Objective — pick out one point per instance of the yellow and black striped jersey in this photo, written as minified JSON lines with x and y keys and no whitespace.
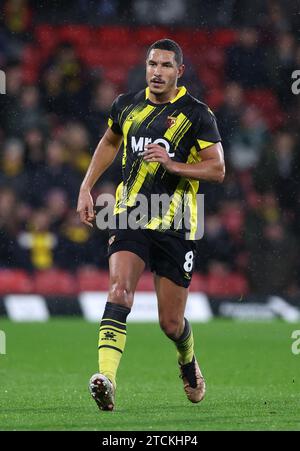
{"x":184,"y":126}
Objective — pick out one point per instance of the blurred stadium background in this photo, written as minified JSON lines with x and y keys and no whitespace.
{"x":64,"y":65}
{"x":65,"y":62}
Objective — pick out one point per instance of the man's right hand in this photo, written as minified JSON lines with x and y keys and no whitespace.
{"x":85,"y":207}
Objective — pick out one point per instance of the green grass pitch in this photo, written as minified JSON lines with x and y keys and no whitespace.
{"x":253,"y":378}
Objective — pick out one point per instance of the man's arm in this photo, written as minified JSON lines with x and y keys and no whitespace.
{"x":103,"y":157}
{"x":211,"y":168}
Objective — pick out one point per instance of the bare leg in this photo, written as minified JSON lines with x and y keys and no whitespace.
{"x":125,"y":269}
{"x":171,"y":306}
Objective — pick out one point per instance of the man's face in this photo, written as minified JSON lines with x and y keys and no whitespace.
{"x":162,"y":71}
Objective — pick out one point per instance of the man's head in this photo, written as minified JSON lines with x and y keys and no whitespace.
{"x":163,"y":66}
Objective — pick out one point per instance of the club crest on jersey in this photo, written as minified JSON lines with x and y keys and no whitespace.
{"x":111,"y":240}
{"x":171,"y":121}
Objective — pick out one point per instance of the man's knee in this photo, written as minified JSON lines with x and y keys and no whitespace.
{"x":121,"y":293}
{"x":171,"y":327}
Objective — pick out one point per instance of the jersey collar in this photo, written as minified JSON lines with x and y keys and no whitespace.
{"x":181,"y":92}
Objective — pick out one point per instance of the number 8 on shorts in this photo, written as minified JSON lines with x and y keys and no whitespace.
{"x":188,"y":265}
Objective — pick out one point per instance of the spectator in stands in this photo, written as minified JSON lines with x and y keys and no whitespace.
{"x":9,"y":226}
{"x":270,"y":271}
{"x":52,"y":91}
{"x":8,"y":206}
{"x":233,"y":189}
{"x":215,"y":245}
{"x":30,"y":111}
{"x":17,"y":16}
{"x":34,"y":140}
{"x":102,"y":98}
{"x":261,"y":210}
{"x":280,"y":65}
{"x":77,"y":146}
{"x":229,"y":113}
{"x":36,"y":245}
{"x":233,"y":220}
{"x":54,"y":173}
{"x":57,"y":205}
{"x":276,"y":20}
{"x":22,"y":110}
{"x":248,"y":140}
{"x":246,"y":61}
{"x":12,"y":172}
{"x":279,"y":170}
{"x":66,"y":68}
{"x":79,"y":245}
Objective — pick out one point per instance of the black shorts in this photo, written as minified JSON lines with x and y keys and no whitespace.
{"x":168,"y":256}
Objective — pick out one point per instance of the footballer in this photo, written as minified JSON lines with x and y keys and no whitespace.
{"x":171,"y":143}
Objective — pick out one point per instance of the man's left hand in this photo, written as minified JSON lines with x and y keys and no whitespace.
{"x":158,"y":154}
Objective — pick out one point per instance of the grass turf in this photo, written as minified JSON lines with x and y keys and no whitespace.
{"x":253,"y":379}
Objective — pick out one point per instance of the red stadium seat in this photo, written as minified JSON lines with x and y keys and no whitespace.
{"x":31,"y":61}
{"x":183,"y":37}
{"x":232,"y":285}
{"x":146,"y":282}
{"x":92,"y":279}
{"x":116,"y":75}
{"x":31,"y":55}
{"x":55,"y":282}
{"x":132,"y":56}
{"x":215,"y":59}
{"x":46,"y":37}
{"x":233,"y":219}
{"x":199,"y":283}
{"x":224,"y":38}
{"x":29,"y":74}
{"x":76,"y":34}
{"x":145,"y":36}
{"x":210,"y":77}
{"x":112,"y":57}
{"x":215,"y":98}
{"x":200,"y":39}
{"x":92,"y":56}
{"x":15,"y":281}
{"x":267,"y":102}
{"x":114,"y":35}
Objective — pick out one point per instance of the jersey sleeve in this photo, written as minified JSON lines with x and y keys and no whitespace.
{"x":113,"y":120}
{"x":207,"y":132}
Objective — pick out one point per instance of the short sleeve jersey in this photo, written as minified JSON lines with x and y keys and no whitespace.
{"x":184,"y":127}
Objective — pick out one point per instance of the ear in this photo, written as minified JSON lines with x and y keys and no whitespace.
{"x":181,"y":69}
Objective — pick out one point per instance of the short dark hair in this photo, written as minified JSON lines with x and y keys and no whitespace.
{"x":168,"y":44}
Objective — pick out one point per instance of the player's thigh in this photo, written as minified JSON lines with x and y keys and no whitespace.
{"x":128,"y":254}
{"x":125,"y":269}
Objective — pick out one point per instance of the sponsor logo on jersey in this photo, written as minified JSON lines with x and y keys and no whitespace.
{"x":138,"y":145}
